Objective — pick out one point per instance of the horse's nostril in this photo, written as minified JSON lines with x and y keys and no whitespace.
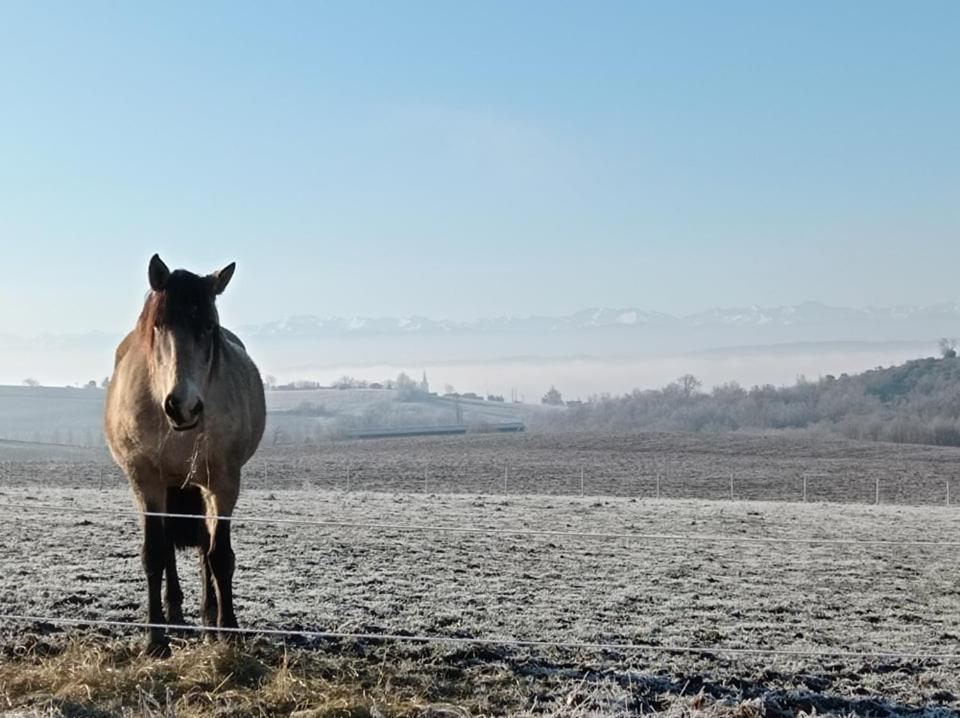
{"x":198,"y":409}
{"x":171,"y":407}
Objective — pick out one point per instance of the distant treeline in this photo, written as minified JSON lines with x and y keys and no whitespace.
{"x":917,"y":402}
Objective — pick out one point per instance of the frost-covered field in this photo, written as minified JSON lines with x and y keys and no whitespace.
{"x":360,"y":577}
{"x":657,"y":592}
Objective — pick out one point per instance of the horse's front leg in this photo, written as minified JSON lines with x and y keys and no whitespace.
{"x":154,"y":556}
{"x":220,"y":556}
{"x":222,"y":562}
{"x":208,"y":592}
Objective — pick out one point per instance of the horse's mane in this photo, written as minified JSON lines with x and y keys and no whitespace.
{"x":186,"y":303}
{"x":148,"y":317}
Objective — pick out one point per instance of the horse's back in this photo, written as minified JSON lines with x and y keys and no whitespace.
{"x":244,"y":391}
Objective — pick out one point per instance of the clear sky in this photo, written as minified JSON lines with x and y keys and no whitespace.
{"x":462,"y":159}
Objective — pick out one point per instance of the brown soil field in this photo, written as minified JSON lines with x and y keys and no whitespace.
{"x":695,"y":466}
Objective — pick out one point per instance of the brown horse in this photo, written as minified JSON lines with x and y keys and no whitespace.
{"x":185,"y":411}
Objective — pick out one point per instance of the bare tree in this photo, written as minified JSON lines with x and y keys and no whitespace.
{"x":552,"y":397}
{"x":408,"y":389}
{"x":31,"y":382}
{"x":948,"y":348}
{"x":685,"y":387}
{"x":348,"y":382}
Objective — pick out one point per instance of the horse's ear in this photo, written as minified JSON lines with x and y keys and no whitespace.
{"x":159,"y":273}
{"x":222,"y":277}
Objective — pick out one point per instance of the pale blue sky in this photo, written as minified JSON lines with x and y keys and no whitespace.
{"x":472,"y":159}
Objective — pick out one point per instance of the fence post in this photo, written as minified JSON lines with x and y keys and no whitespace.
{"x":581,"y":481}
{"x":348,"y":479}
{"x":100,"y":485}
{"x":948,"y":492}
{"x":731,"y":487}
{"x":506,"y":471}
{"x":424,"y":479}
{"x":878,"y":491}
{"x":804,"y":488}
{"x":658,"y":484}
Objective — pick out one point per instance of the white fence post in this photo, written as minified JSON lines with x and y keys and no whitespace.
{"x":804,"y":488}
{"x":731,"y":487}
{"x":658,"y":484}
{"x":100,"y":486}
{"x":878,"y":491}
{"x":506,"y":472}
{"x":948,"y":492}
{"x":424,"y":479}
{"x":581,"y":481}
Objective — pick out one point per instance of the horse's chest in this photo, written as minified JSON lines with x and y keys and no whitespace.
{"x":180,"y":458}
{"x":176,"y":455}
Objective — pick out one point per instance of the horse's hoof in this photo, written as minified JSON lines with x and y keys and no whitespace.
{"x":157,"y":648}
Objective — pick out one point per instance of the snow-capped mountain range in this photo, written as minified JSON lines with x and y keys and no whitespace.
{"x":806,"y":316}
{"x":741,"y":343}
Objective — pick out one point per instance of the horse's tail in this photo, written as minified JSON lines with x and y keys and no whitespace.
{"x":185,"y":532}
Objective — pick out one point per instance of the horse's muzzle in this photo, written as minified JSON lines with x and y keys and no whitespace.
{"x":177,"y":427}
{"x":182,"y":418}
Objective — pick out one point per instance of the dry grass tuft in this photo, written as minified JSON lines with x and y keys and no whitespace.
{"x":97,"y":677}
{"x":92,"y":676}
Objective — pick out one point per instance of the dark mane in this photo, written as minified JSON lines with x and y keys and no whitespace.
{"x":186,"y":303}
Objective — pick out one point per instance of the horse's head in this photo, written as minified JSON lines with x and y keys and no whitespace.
{"x":181,"y":329}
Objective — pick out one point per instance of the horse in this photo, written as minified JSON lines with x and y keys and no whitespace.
{"x":185,"y":410}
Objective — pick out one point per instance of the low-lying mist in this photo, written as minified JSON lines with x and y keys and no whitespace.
{"x":473,"y":369}
{"x":527,"y":379}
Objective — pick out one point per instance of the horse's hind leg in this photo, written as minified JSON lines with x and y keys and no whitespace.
{"x":173,"y":599}
{"x":182,"y":530}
